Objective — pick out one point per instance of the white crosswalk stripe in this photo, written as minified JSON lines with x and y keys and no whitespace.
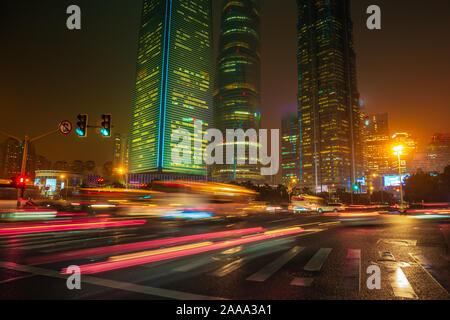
{"x":265,"y":273}
{"x":317,"y":261}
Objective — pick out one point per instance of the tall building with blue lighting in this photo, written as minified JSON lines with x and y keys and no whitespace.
{"x":173,"y":85}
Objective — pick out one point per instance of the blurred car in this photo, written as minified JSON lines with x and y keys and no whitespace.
{"x":330,"y":207}
{"x":399,"y":208}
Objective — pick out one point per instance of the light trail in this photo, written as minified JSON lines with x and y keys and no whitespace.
{"x":68,"y":226}
{"x":114,"y":264}
{"x":120,"y":248}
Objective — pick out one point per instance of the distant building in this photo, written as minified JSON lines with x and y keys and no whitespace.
{"x":61,"y":165}
{"x":11,"y":159}
{"x":51,"y":182}
{"x":376,"y":144}
{"x":173,"y":84}
{"x":120,"y":152}
{"x":435,"y":157}
{"x":237,"y":102}
{"x":439,"y":151}
{"x":410,"y":148}
{"x":328,"y":98}
{"x":42,"y":163}
{"x":290,"y":168}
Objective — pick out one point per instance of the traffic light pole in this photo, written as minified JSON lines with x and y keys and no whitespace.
{"x":26,"y":141}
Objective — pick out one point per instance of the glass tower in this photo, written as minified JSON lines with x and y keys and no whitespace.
{"x":289,"y":149}
{"x":328,"y":99}
{"x":173,"y":83}
{"x":237,"y":94}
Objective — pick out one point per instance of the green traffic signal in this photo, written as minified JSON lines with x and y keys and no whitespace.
{"x":82,"y":125}
{"x":106,"y":125}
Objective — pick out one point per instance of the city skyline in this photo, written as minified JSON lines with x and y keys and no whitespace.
{"x":243,"y":151}
{"x":96,"y":97}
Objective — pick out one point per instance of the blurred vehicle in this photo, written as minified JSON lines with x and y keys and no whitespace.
{"x":273,"y":208}
{"x":359,"y":218}
{"x":26,"y":215}
{"x":306,"y":203}
{"x":218,"y":199}
{"x":114,"y":201}
{"x":399,"y":208}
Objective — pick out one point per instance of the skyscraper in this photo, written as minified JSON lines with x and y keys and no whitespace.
{"x":237,"y":94}
{"x":11,"y":152}
{"x":289,"y":149}
{"x":377,"y":149}
{"x":328,"y":99}
{"x":173,"y":83}
{"x":120,"y":151}
{"x":410,"y":149}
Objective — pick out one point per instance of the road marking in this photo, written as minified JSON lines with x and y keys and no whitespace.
{"x":317,"y":261}
{"x":229,"y":267}
{"x":440,"y":277}
{"x":165,"y":293}
{"x":400,"y":284}
{"x":352,"y":270}
{"x":265,"y":273}
{"x":302,"y":282}
{"x":400,"y":242}
{"x":386,"y":256}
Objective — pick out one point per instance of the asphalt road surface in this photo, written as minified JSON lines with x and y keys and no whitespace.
{"x":264,"y":256}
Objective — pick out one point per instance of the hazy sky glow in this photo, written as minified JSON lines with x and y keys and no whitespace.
{"x":50,"y":73}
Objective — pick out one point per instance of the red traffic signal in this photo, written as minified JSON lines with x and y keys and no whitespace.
{"x":20,"y":181}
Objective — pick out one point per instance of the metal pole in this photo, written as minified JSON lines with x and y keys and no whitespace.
{"x":67,"y":188}
{"x":23,"y":168}
{"x":401,"y":185}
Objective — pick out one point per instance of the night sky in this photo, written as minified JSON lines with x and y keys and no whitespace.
{"x":49,"y":73}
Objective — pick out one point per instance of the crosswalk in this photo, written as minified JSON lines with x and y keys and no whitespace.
{"x":302,"y":265}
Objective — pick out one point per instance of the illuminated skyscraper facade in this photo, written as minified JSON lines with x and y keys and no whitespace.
{"x":290,"y":169}
{"x":377,"y":149}
{"x":237,"y":94}
{"x":328,"y":99}
{"x":409,"y":151}
{"x":173,"y":83}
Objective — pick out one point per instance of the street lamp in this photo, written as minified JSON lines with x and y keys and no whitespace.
{"x":398,"y":150}
{"x":66,"y":186}
{"x":122,"y":171}
{"x":291,"y":186}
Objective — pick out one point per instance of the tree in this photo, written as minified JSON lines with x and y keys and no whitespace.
{"x":89,"y":166}
{"x":77,"y":166}
{"x":422,"y":186}
{"x":107,"y":169}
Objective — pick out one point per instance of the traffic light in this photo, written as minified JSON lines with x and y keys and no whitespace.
{"x":355,"y":187}
{"x":106,"y":125}
{"x":20,"y":181}
{"x":82,"y":125}
{"x":100,"y":181}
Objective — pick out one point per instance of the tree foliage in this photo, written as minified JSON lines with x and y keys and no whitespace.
{"x":423,"y":186}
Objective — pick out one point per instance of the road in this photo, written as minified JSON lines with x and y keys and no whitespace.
{"x":263,"y":256}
